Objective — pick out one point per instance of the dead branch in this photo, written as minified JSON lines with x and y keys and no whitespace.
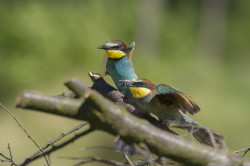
{"x":55,"y":147}
{"x":245,"y":151}
{"x":102,"y":114}
{"x":98,"y":147}
{"x":128,"y":160}
{"x":86,"y":160}
{"x":25,"y":131}
{"x":8,"y":159}
{"x":51,"y":143}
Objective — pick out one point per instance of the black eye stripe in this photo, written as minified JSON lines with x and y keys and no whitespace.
{"x":142,"y":84}
{"x":116,"y":47}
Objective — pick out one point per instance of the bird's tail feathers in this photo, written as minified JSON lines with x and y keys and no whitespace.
{"x":202,"y":134}
{"x":207,"y":137}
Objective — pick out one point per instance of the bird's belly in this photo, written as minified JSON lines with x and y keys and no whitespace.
{"x":166,"y":114}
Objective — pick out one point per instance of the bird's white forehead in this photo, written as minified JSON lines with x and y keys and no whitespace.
{"x":112,"y":44}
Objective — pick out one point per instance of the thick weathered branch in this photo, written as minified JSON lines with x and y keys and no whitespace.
{"x":77,"y":87}
{"x":105,"y":115}
{"x":49,"y":104}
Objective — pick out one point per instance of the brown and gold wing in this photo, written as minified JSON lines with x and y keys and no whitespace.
{"x":172,"y":97}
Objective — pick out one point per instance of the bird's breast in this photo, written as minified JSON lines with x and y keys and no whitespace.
{"x":121,"y":69}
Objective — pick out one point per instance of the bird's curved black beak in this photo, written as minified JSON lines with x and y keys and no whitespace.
{"x":104,"y":47}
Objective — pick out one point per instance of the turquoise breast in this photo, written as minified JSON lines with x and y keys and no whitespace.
{"x":121,"y":69}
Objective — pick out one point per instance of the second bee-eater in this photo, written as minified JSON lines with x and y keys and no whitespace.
{"x":119,"y":64}
{"x":171,"y":106}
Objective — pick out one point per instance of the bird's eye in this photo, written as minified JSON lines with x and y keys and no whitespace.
{"x":116,"y":47}
{"x":141,"y":84}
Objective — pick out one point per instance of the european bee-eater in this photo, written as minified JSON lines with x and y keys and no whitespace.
{"x":119,"y":64}
{"x":119,"y":67}
{"x":170,"y":105}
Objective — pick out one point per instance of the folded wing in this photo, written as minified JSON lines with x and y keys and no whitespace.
{"x":172,"y":97}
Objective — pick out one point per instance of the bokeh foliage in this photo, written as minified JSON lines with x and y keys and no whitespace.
{"x":44,"y":43}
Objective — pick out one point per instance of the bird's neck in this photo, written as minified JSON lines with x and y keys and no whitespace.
{"x":121,"y":69}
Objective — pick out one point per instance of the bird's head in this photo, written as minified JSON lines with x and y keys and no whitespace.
{"x":116,"y":49}
{"x":139,"y":88}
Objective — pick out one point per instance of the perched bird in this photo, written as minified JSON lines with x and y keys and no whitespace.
{"x":171,"y":106}
{"x":119,"y":64}
{"x":119,"y":67}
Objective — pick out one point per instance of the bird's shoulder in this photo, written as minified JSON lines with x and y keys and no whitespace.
{"x":162,"y":89}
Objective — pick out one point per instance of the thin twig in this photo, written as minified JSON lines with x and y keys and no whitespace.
{"x":146,"y":153}
{"x":11,"y":157}
{"x":128,"y":160}
{"x":245,"y":150}
{"x":8,"y":159}
{"x":59,"y":138}
{"x":95,"y":159}
{"x":56,"y":147}
{"x":98,"y":147}
{"x":141,"y":163}
{"x":163,"y":161}
{"x":25,"y":131}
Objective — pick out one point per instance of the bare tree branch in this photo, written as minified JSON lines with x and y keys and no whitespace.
{"x":102,"y":114}
{"x":56,"y":147}
{"x":128,"y":160}
{"x":86,"y":160}
{"x":5,"y":158}
{"x":98,"y":147}
{"x":25,"y":131}
{"x":78,"y":88}
{"x":8,"y":159}
{"x":51,"y":143}
{"x":11,"y":157}
{"x":245,"y":150}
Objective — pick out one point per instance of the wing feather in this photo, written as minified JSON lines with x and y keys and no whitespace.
{"x":172,"y":97}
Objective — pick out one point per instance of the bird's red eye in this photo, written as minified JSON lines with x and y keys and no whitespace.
{"x":117,"y":47}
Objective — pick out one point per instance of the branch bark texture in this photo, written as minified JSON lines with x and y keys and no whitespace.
{"x":103,"y":114}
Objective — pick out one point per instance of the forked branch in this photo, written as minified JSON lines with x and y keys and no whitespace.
{"x":103,"y":114}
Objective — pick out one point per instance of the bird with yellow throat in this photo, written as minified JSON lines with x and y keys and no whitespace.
{"x":119,"y":63}
{"x":171,"y":106}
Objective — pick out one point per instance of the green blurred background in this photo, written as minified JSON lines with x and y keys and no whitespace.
{"x":200,"y":47}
